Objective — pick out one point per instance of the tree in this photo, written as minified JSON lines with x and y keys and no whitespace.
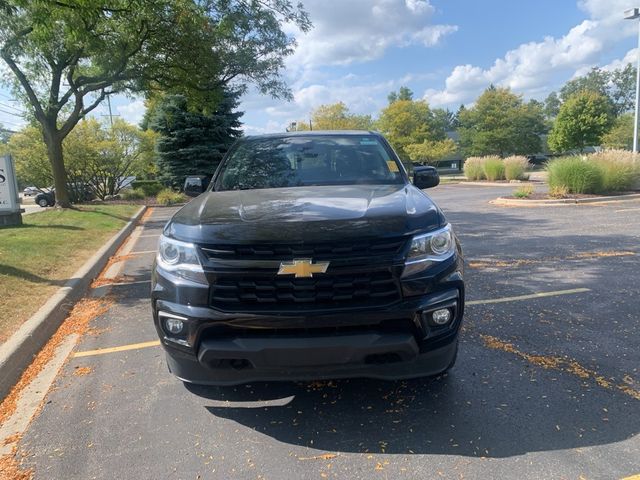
{"x":192,"y":142}
{"x":583,"y":120}
{"x":404,"y":93}
{"x":621,"y":135}
{"x":500,"y":123}
{"x":622,"y":88}
{"x":336,"y":117}
{"x":30,"y":155}
{"x":594,"y":81}
{"x":102,"y":158}
{"x":617,"y":86}
{"x":551,"y":106}
{"x":4,"y":135}
{"x":406,"y":122}
{"x":96,"y":157}
{"x":430,"y":152}
{"x":443,"y":121}
{"x":66,"y":56}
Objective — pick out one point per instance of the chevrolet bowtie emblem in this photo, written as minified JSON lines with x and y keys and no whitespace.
{"x":302,"y":268}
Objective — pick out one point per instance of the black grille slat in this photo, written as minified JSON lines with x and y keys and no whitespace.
{"x":337,"y":251}
{"x":255,"y":291}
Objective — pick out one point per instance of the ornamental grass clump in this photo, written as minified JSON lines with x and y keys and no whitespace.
{"x":474,"y":168}
{"x":525,"y":191}
{"x":576,"y":174}
{"x":620,"y":169}
{"x":515,"y":167}
{"x":493,"y":168}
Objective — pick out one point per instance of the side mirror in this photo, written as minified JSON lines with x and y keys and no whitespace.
{"x":194,"y":186}
{"x":425,"y":177}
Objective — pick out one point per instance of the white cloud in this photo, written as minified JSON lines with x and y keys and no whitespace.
{"x":133,"y":111}
{"x":362,"y":30}
{"x":531,"y":67}
{"x":363,"y":96}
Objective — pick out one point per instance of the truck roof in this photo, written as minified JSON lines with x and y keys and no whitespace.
{"x":313,"y":133}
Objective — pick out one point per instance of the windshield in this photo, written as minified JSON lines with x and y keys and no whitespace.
{"x":308,"y":160}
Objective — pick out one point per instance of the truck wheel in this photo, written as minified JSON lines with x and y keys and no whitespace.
{"x":43,"y":202}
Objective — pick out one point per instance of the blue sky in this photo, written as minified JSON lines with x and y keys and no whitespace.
{"x":446,"y":51}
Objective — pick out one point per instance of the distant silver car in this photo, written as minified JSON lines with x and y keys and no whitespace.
{"x":30,"y":191}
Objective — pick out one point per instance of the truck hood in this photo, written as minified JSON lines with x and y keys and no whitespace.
{"x":304,"y":214}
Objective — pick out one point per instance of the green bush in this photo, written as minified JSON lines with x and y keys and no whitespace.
{"x":473,"y":168}
{"x":576,"y":174}
{"x":132,"y":194}
{"x":494,"y":168}
{"x":515,"y":168}
{"x":150,"y":187}
{"x":169,"y":197}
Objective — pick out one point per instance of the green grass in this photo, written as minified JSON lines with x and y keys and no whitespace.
{"x":493,"y":168}
{"x":575,"y":174}
{"x":38,"y":257}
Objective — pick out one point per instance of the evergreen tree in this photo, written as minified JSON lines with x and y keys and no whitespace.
{"x":193,"y":140}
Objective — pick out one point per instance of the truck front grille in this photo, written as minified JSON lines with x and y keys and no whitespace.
{"x":265,"y":292}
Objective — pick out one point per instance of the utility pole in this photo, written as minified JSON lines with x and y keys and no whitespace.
{"x":111,"y":115}
{"x":634,"y":14}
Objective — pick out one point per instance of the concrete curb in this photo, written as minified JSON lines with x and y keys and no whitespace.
{"x":517,"y":202}
{"x":17,"y":353}
{"x":504,"y":184}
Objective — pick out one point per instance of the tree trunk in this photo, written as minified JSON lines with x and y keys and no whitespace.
{"x":54,"y":152}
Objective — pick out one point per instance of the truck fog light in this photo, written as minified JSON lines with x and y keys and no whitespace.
{"x":441,"y":316}
{"x":173,"y":325}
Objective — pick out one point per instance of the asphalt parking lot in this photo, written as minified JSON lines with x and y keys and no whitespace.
{"x":547,"y":384}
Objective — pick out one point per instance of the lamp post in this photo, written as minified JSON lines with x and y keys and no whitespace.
{"x":633,"y":14}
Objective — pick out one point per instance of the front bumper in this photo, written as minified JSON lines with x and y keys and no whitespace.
{"x":391,"y":342}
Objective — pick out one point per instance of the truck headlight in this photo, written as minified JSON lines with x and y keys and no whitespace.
{"x":180,"y":258}
{"x":429,"y":247}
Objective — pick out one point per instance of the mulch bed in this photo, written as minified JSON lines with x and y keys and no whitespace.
{"x":571,"y":196}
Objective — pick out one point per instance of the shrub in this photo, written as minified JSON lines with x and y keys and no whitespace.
{"x":525,"y":191}
{"x":620,"y":170}
{"x":169,"y":197}
{"x":576,"y":174}
{"x":132,"y":194}
{"x":515,"y":168}
{"x":150,"y":187}
{"x":474,"y":168}
{"x":493,"y":168}
{"x":559,"y":191}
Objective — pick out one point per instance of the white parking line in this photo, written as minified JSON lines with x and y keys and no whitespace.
{"x":528,"y":297}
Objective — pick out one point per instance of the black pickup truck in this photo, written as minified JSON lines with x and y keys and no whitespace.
{"x":310,"y":255}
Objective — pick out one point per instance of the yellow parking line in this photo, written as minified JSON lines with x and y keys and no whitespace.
{"x":632,"y":477}
{"x":123,"y":348}
{"x":155,"y":343}
{"x":528,"y":297}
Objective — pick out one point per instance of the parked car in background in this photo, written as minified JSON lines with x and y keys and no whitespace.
{"x":46,"y":198}
{"x":30,"y":191}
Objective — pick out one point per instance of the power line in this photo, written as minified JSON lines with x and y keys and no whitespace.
{"x":7,"y":97}
{"x":13,"y":114}
{"x":11,"y":107}
{"x":2,"y":121}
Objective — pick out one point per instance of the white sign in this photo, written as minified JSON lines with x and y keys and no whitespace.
{"x":8,"y":186}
